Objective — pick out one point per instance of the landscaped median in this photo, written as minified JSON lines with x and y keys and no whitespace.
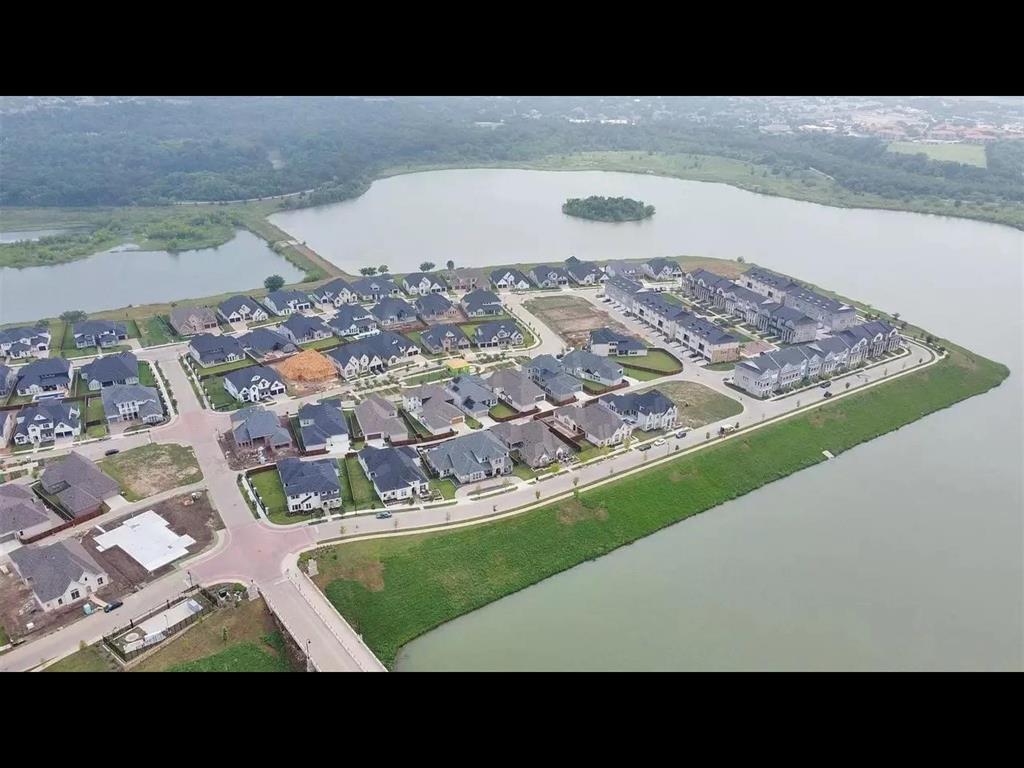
{"x":393,"y":589}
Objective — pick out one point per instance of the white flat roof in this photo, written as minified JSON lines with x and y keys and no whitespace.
{"x":148,"y":540}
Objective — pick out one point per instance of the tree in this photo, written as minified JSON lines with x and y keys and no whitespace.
{"x":383,"y":269}
{"x":451,"y":264}
{"x":426,"y":266}
{"x":740,"y":260}
{"x":72,"y":316}
{"x":368,"y":271}
{"x":273,"y":283}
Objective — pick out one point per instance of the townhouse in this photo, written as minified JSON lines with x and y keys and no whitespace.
{"x":510,"y":280}
{"x":622,"y":291}
{"x":499,"y":333}
{"x":546,"y":372}
{"x":98,"y":333}
{"x":444,"y":338}
{"x":50,"y":376}
{"x":788,"y":323}
{"x":590,"y":367}
{"x":661,"y":269}
{"x":471,"y":395}
{"x":188,"y":321}
{"x":394,"y":473}
{"x":45,"y":421}
{"x":392,"y":312}
{"x":480,"y":302}
{"x":207,"y":349}
{"x":423,"y":284}
{"x":647,"y":411}
{"x":531,"y":443}
{"x":59,"y":574}
{"x":434,"y":307}
{"x":262,"y":342}
{"x":584,"y":272}
{"x":336,"y":293}
{"x":132,"y":402}
{"x":878,"y":336}
{"x":242,"y":309}
{"x":704,"y":338}
{"x":106,"y":371}
{"x":703,"y":285}
{"x":470,"y":458}
{"x":256,"y":426}
{"x":374,"y":289}
{"x":829,"y":313}
{"x":310,"y":485}
{"x":378,"y":419}
{"x":371,"y":354}
{"x":301,"y":329}
{"x":19,"y":343}
{"x":515,"y":389}
{"x":323,"y":427}
{"x":253,"y":384}
{"x":607,"y":343}
{"x":352,"y":320}
{"x":284,"y":303}
{"x":544,"y":276}
{"x":739,"y":301}
{"x":598,"y":423}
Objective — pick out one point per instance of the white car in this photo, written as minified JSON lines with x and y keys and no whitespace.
{"x":659,"y":441}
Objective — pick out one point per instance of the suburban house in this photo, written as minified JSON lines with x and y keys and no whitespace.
{"x":598,"y":423}
{"x":544,"y":276}
{"x":8,"y":378}
{"x":444,"y":338}
{"x":98,"y":333}
{"x":470,"y":457}
{"x":378,"y":419}
{"x":22,"y":514}
{"x":46,"y":421}
{"x":352,"y":320}
{"x":415,"y":398}
{"x":207,"y":349}
{"x":661,"y":269}
{"x":628,"y":270}
{"x":394,"y":473}
{"x":434,"y":307}
{"x":739,"y":301}
{"x":310,"y":485}
{"x":78,"y":484}
{"x":288,"y":302}
{"x":323,"y":427}
{"x":439,"y":417}
{"x":607,"y":343}
{"x":706,"y":339}
{"x":374,"y":288}
{"x":591,"y":367}
{"x":256,"y":426}
{"x":423,"y":284}
{"x":48,"y":376}
{"x":252,"y":384}
{"x":242,"y":309}
{"x":130,"y":402}
{"x":510,"y":280}
{"x":188,"y":321}
{"x":302,"y":329}
{"x":371,"y":354}
{"x":391,"y":312}
{"x":59,"y":574}
{"x":462,"y":279}
{"x":584,"y":272}
{"x":828,"y":312}
{"x":532,"y":443}
{"x":703,"y":285}
{"x":480,"y":302}
{"x":17,"y":343}
{"x":106,"y":371}
{"x":471,"y":394}
{"x":499,"y":333}
{"x":546,"y":372}
{"x":621,"y":290}
{"x":515,"y":389}
{"x":788,"y":323}
{"x":648,"y":410}
{"x":336,"y":293}
{"x":265,"y":341}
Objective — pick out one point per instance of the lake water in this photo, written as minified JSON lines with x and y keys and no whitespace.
{"x":904,"y":553}
{"x":123,"y":276}
{"x":28,"y":234}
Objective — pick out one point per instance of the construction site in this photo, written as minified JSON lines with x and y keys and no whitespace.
{"x":307,"y":373}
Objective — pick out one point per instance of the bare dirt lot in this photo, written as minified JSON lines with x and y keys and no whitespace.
{"x":572,"y":318}
{"x":152,"y":469}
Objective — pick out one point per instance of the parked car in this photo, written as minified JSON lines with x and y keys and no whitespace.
{"x":660,"y":441}
{"x":112,"y":606}
{"x":825,"y":384}
{"x":383,"y":515}
{"x":644,"y":447}
{"x":828,"y":394}
{"x":112,"y":451}
{"x":681,"y":434}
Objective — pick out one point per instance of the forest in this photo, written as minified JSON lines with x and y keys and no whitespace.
{"x":607,"y":208}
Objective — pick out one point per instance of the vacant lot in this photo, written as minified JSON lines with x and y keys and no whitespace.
{"x":572,"y":318}
{"x":657,"y":359}
{"x":90,"y":659}
{"x":152,"y":469}
{"x":969,"y":154}
{"x":698,"y":405}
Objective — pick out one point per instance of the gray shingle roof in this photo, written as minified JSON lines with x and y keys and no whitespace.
{"x":281,"y":298}
{"x":534,"y":442}
{"x":182,"y":316}
{"x":581,"y":269}
{"x":581,"y":360}
{"x":98,"y":328}
{"x":391,"y":469}
{"x":255,"y":423}
{"x":320,"y":421}
{"x":301,"y":477}
{"x":467,"y":454}
{"x":349,"y":315}
{"x":262,"y":341}
{"x":516,"y":384}
{"x":517,"y":276}
{"x":374,"y":285}
{"x":432,"y":304}
{"x":305,"y":327}
{"x":480,"y":299}
{"x":78,"y":483}
{"x":147,"y":398}
{"x":438,"y":414}
{"x":51,"y":569}
{"x":390,"y":307}
{"x":235,"y":303}
{"x":245,"y":377}
{"x":19,"y":508}
{"x":48,"y":411}
{"x":487,"y":333}
{"x":119,"y":367}
{"x":434,"y":337}
{"x":471,"y":392}
{"x":773,"y":279}
{"x":45,"y":372}
{"x":651,"y":401}
{"x":379,"y":416}
{"x":597,"y":420}
{"x":216,"y":349}
{"x":384,"y":345}
{"x":333,"y":288}
{"x":413,"y":279}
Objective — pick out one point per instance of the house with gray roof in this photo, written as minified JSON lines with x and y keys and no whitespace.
{"x":310,"y":485}
{"x":424,"y":284}
{"x":515,"y":389}
{"x":828,"y":312}
{"x":301,"y":329}
{"x":22,"y":514}
{"x":702,"y":284}
{"x":48,"y":376}
{"x":510,"y":280}
{"x":704,"y":338}
{"x":287,"y":302}
{"x":394,"y":473}
{"x":132,"y":402}
{"x":438,"y":416}
{"x":188,"y":321}
{"x":481,"y":302}
{"x":626,"y":269}
{"x":471,"y":394}
{"x":416,"y":397}
{"x":584,"y":272}
{"x":98,"y":333}
{"x":352,"y":320}
{"x":59,"y":574}
{"x":499,"y":333}
{"x":880,"y":337}
{"x":375,"y":288}
{"x":46,"y":421}
{"x":256,"y":425}
{"x":598,"y":423}
{"x":662,"y":269}
{"x":767,"y":283}
{"x":371,"y":354}
{"x":590,"y":367}
{"x":544,"y":276}
{"x":266,"y":341}
{"x":434,"y":307}
{"x":78,"y":484}
{"x":622,"y":291}
{"x":22,"y":342}
{"x":647,"y":410}
{"x":739,"y":301}
{"x":109,"y":370}
{"x":779,"y":370}
{"x":8,"y":378}
{"x":470,"y":458}
{"x":546,"y":372}
{"x":444,"y":338}
{"x":607,"y":343}
{"x":379,"y":420}
{"x":252,"y":384}
{"x":207,"y":349}
{"x":531,"y":443}
{"x":391,"y":312}
{"x":336,"y":293}
{"x":788,"y":323}
{"x":461,"y":279}
{"x":323,"y":427}
{"x":242,"y":309}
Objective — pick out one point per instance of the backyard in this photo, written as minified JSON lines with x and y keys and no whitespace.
{"x":152,"y":469}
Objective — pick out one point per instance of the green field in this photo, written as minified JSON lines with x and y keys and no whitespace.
{"x":698,"y":405}
{"x":267,"y":485}
{"x":968,"y":154}
{"x":155,"y":330}
{"x":89,"y":659}
{"x":394,"y":589}
{"x":267,"y":656}
{"x":152,"y":469}
{"x":657,"y":359}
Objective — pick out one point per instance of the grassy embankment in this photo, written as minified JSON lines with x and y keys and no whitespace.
{"x":968,"y":154}
{"x":395,"y":589}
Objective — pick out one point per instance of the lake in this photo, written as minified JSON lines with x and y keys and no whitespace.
{"x":123,"y":276}
{"x":904,"y":553}
{"x":29,"y":234}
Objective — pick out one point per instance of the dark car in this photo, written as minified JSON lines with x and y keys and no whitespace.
{"x":828,"y":394}
{"x":112,"y":606}
{"x":383,"y":515}
{"x":112,"y":451}
{"x":825,"y":384}
{"x":644,"y":448}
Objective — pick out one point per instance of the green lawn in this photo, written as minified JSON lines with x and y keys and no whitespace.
{"x":657,"y":359}
{"x":146,"y":376}
{"x":268,"y":487}
{"x":501,"y":411}
{"x":362,"y":491}
{"x":94,"y":410}
{"x":328,"y":343}
{"x":591,"y":451}
{"x":89,"y":659}
{"x":426,"y":378}
{"x":636,"y":373}
{"x":243,"y":657}
{"x":968,"y":154}
{"x":96,"y":430}
{"x":155,"y":330}
{"x":4,"y":639}
{"x":445,"y":485}
{"x":720,"y":366}
{"x":152,"y":469}
{"x":413,"y":424}
{"x":394,"y":589}
{"x":522,"y":471}
{"x":216,"y":370}
{"x":473,"y":423}
{"x":220,"y":399}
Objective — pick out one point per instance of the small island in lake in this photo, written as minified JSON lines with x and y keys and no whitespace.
{"x":607,"y":208}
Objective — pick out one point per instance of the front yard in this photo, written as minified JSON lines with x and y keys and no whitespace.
{"x":151,"y":469}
